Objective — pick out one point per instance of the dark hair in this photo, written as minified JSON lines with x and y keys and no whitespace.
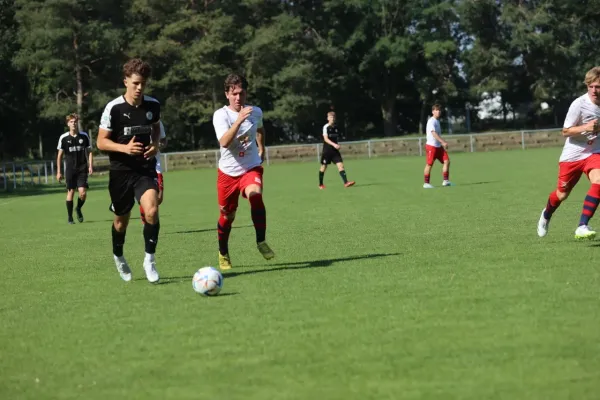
{"x":71,"y":116}
{"x":137,"y":66}
{"x":233,"y":80}
{"x":436,"y":106}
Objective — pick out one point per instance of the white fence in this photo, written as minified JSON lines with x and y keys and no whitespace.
{"x":15,"y":174}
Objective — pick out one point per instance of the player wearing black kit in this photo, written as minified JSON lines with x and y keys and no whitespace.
{"x":129,"y":131}
{"x":331,"y":151}
{"x":76,"y":148}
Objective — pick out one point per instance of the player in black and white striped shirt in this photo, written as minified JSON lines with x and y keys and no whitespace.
{"x":76,"y":147}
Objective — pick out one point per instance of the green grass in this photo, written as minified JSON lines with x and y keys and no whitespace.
{"x":380,"y":291}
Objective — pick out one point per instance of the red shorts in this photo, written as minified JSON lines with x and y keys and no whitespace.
{"x":569,"y":172}
{"x":159,"y":180}
{"x":435,"y":153}
{"x":230,"y":187}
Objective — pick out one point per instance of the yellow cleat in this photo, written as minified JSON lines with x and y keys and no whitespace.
{"x":265,"y":250}
{"x":224,"y":262}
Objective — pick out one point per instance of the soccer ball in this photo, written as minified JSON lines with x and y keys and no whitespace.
{"x":207,"y":281}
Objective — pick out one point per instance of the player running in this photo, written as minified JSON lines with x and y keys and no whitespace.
{"x":129,"y":131}
{"x":579,"y":156}
{"x":77,"y":149}
{"x":239,"y":129}
{"x":435,"y":148}
{"x":331,"y":151}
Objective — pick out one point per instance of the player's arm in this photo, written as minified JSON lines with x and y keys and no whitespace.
{"x":329,"y":142}
{"x":573,"y":125}
{"x":260,"y":142}
{"x":220,"y":122}
{"x":59,"y":164}
{"x":439,"y":138}
{"x":105,"y":143}
{"x":152,"y":148}
{"x":90,"y":162}
{"x":589,"y":127}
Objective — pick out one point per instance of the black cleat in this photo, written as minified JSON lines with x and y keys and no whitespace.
{"x":79,"y":215}
{"x":71,"y":222}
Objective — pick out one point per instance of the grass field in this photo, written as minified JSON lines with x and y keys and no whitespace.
{"x":380,"y":291}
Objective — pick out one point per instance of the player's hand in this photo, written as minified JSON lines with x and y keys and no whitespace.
{"x":151,"y":151}
{"x":244,"y":114}
{"x":336,"y":146}
{"x":133,"y":148}
{"x":90,"y":170}
{"x":59,"y":177}
{"x":592,"y":126}
{"x":445,"y":145}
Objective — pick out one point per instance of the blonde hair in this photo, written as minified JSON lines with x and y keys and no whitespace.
{"x":592,"y":76}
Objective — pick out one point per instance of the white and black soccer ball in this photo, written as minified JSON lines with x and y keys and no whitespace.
{"x":207,"y":281}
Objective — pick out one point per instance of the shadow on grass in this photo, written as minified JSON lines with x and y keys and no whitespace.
{"x":476,"y":183}
{"x":206,"y":230}
{"x":289,"y":266}
{"x":36,"y":190}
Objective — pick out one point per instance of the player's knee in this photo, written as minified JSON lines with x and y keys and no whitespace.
{"x":562,"y":195}
{"x":120,"y":224}
{"x":151,"y":213}
{"x":229,"y":216}
{"x":83,"y":195}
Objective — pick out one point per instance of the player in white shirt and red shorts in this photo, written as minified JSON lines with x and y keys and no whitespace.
{"x":580,"y":155}
{"x":435,"y":148}
{"x":239,"y":129}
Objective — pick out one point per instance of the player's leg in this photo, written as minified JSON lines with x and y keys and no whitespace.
{"x":592,"y":198}
{"x":161,"y":188}
{"x":146,"y":192}
{"x":429,"y":159}
{"x":342,"y":171}
{"x":122,"y":198}
{"x":70,"y":195}
{"x":82,"y":186}
{"x":227,"y":196}
{"x":569,"y":174}
{"x":251,"y":185}
{"x":160,"y":197}
{"x":324,"y":161}
{"x":445,"y":160}
{"x":71,"y":184}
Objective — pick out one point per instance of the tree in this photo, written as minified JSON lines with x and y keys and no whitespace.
{"x":65,"y":48}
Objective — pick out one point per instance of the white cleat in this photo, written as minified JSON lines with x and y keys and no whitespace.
{"x":543,"y":225}
{"x":584,"y":232}
{"x":150,"y":268}
{"x":427,"y":186}
{"x":446,"y":183}
{"x":123,"y":268}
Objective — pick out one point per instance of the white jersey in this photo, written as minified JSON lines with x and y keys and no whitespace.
{"x":242,"y":154}
{"x":433,"y":124}
{"x":580,"y":147}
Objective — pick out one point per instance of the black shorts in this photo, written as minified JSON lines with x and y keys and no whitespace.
{"x":331,"y":156}
{"x":125,"y":187}
{"x":75,"y":179}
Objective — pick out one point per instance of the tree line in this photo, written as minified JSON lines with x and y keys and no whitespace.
{"x":380,"y":64}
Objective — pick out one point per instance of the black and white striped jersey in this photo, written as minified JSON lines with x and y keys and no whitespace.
{"x":75,"y":148}
{"x":125,"y":121}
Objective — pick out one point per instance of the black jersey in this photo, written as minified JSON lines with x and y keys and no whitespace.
{"x":75,"y":149}
{"x":332,"y":132}
{"x":125,"y":121}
